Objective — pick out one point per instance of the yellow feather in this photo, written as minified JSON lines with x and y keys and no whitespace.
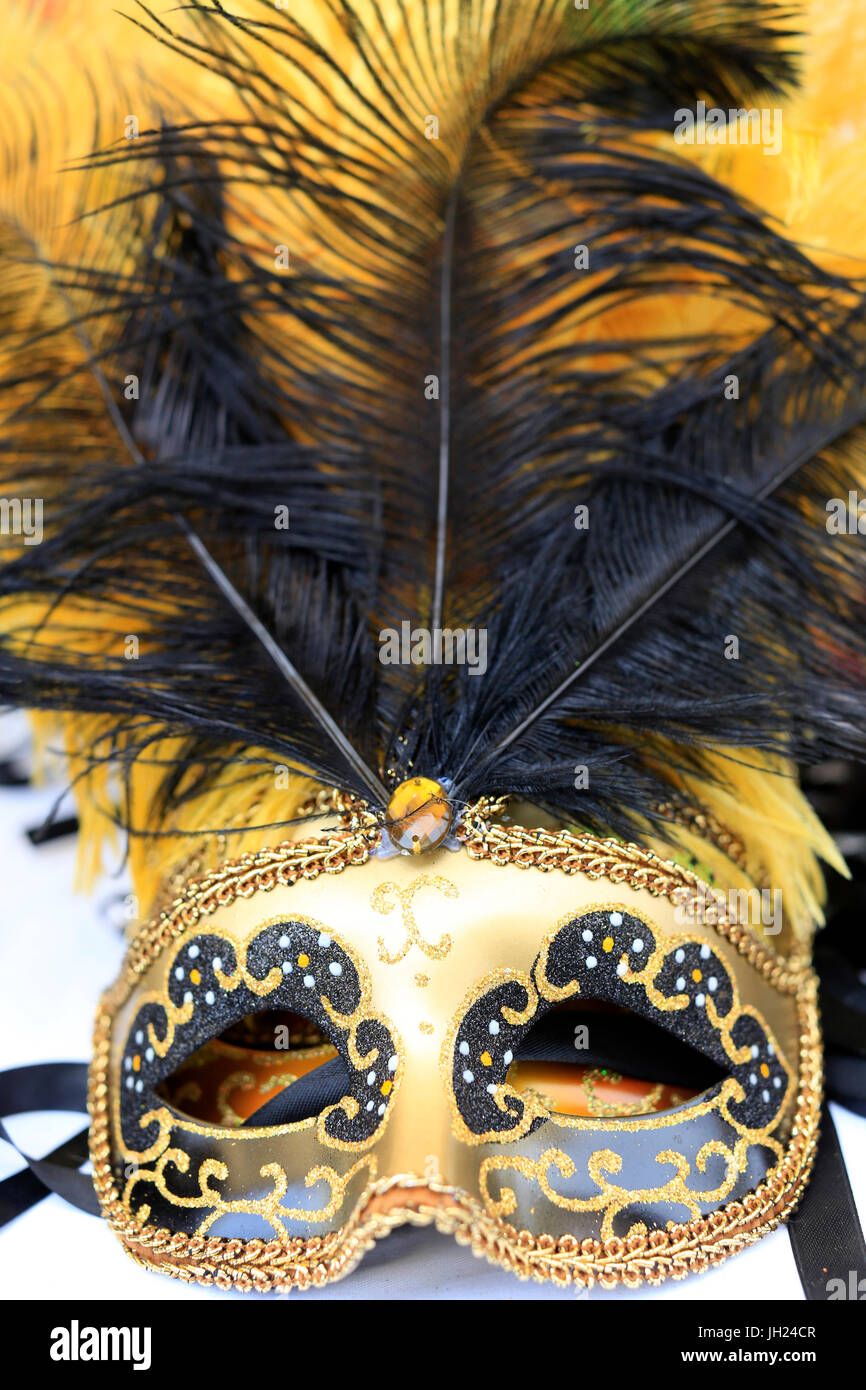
{"x":79,"y":70}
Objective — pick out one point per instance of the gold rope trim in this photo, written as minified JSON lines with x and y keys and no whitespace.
{"x":358,"y":834}
{"x":620,"y":863}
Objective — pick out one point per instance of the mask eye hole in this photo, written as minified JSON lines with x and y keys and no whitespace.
{"x":596,"y":1059}
{"x":270,"y":1068}
{"x":291,"y":967}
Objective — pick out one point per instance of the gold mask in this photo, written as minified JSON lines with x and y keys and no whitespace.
{"x":427,"y":976}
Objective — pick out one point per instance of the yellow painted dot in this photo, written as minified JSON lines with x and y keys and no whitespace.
{"x":195,"y":976}
{"x":136,"y":1064}
{"x":385,"y":1088}
{"x":303,"y":960}
{"x":487,"y":1059}
{"x":696,"y":976}
{"x":765,"y":1070}
{"x":607,"y":944}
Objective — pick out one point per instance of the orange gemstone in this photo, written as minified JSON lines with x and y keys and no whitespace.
{"x":419,"y":815}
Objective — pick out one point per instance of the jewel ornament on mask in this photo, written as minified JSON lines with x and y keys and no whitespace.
{"x":419,"y":817}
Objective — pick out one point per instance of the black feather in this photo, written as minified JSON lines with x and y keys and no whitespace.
{"x":414,"y":258}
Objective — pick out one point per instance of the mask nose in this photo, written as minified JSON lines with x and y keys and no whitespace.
{"x":419,"y":1142}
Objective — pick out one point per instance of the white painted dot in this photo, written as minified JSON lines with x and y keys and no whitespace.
{"x":681,"y":983}
{"x":287,"y":967}
{"x":587,"y":935}
{"x":679,"y":956}
{"x":712,"y":984}
{"x":493,"y":1026}
{"x":193,"y":952}
{"x":371,"y":1077}
{"x":324,"y":940}
{"x":309,"y":981}
{"x":771,"y":1049}
{"x":777,"y":1082}
{"x":700,"y":1000}
{"x":139,"y":1086}
{"x":637,"y":945}
{"x":217,"y":962}
{"x":139,"y":1037}
{"x":130,"y":1082}
{"x":370,"y":1104}
{"x":508,"y":1057}
{"x":753,"y":1080}
{"x":621,"y":968}
{"x":335,"y":967}
{"x":464,"y":1049}
{"x":209,"y":997}
{"x":705,"y":953}
{"x":283,"y":943}
{"x":765,"y":1096}
{"x":616,"y":919}
{"x":187,"y":998}
{"x":468,"y":1077}
{"x":178,"y":974}
{"x":392,"y":1062}
{"x":491,"y":1089}
{"x":127,"y":1062}
{"x":591,"y":962}
{"x":755,"y":1050}
{"x":381,"y":1110}
{"x":148,"y":1056}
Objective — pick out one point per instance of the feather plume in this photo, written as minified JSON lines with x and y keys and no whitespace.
{"x":352,"y":294}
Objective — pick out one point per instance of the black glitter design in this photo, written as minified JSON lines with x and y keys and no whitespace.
{"x":589,"y":950}
{"x":328,"y":972}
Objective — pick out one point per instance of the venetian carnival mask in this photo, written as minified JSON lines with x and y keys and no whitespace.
{"x":437,"y":591}
{"x":438,"y":1011}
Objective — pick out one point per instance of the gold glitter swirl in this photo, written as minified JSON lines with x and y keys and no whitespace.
{"x":269,"y":1207}
{"x":611,"y":1198}
{"x":607,"y":1108}
{"x":385,"y":897}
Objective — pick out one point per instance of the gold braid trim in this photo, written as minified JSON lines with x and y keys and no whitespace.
{"x":358,"y":834}
{"x":708,"y":827}
{"x":620,"y":863}
{"x":256,"y":872}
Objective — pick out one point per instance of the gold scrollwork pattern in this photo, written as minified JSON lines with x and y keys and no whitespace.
{"x":611,"y":1198}
{"x":256,"y":1265}
{"x":269,"y":1208}
{"x":210,"y":979}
